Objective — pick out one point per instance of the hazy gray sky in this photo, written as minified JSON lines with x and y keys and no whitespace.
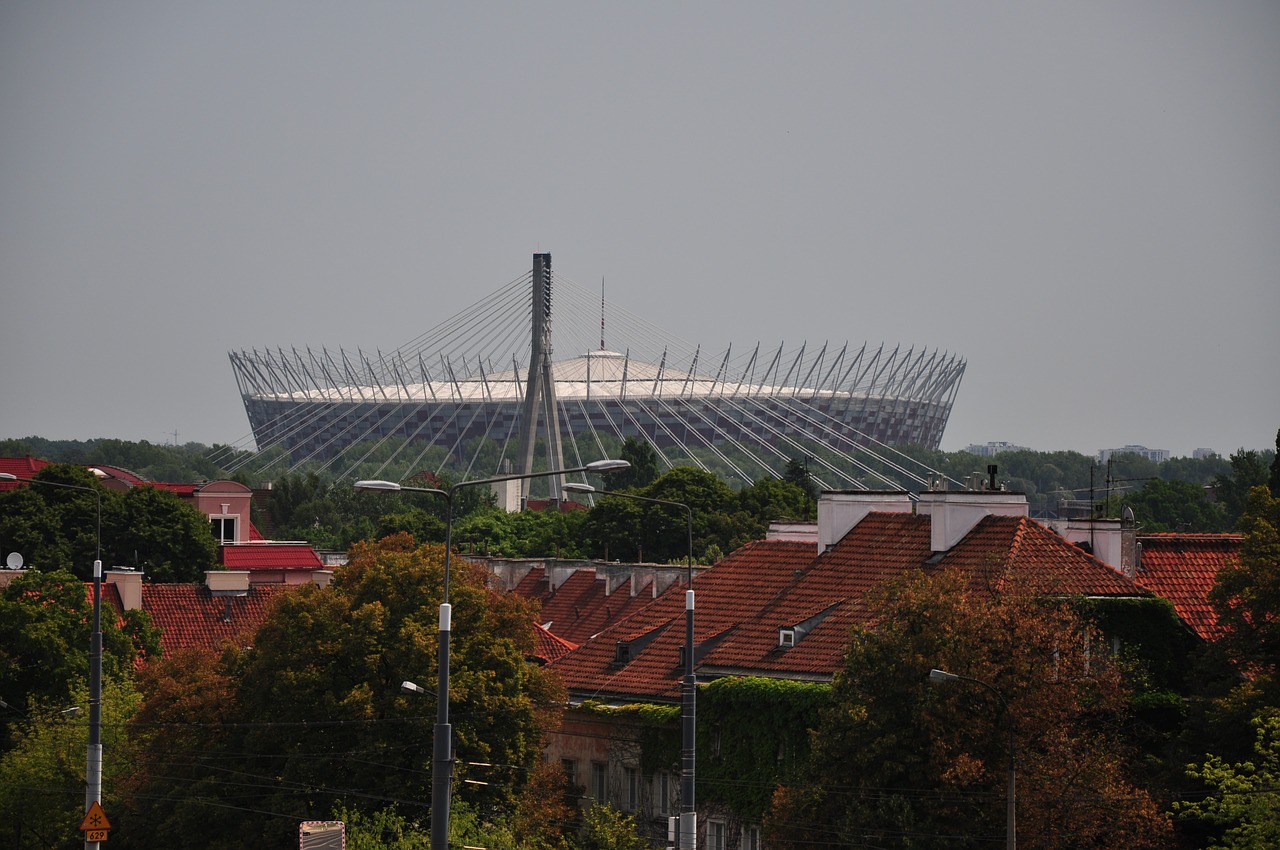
{"x":1082,"y":199}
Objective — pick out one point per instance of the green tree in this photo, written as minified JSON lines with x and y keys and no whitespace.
{"x":1245,"y":801}
{"x":1273,"y":481}
{"x":1175,"y":506}
{"x":644,"y":465}
{"x":1246,"y":596}
{"x":42,"y":795}
{"x":54,"y":522}
{"x":605,"y":828}
{"x":316,"y":717}
{"x":162,"y":535}
{"x":45,"y":622}
{"x":1248,"y":470}
{"x":797,"y":473}
{"x":899,"y":763}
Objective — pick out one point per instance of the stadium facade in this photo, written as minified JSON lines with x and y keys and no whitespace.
{"x":487,"y":376}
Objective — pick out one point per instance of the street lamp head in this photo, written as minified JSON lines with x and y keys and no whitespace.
{"x":377,"y":485}
{"x":576,"y":487}
{"x":8,"y":476}
{"x":412,"y":688}
{"x":603,"y":467}
{"x":936,"y":675}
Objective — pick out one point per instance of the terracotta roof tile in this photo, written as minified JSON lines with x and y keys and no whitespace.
{"x":548,"y":647}
{"x":745,"y":600}
{"x":1182,"y":569}
{"x":190,"y":615}
{"x":20,"y":467}
{"x":270,"y":556}
{"x":580,"y":607}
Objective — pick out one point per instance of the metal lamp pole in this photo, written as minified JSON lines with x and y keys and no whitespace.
{"x":687,"y":835}
{"x":442,"y":743}
{"x":93,"y":757}
{"x":1011,"y":815}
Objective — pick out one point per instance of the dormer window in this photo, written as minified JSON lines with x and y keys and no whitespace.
{"x":621,"y":652}
{"x":224,"y":528}
{"x":786,"y":637}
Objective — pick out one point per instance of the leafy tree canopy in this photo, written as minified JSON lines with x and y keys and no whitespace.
{"x":313,"y":717}
{"x":1245,"y":801}
{"x":1246,"y":596}
{"x":898,"y":762}
{"x":54,"y":523}
{"x":46,"y":619}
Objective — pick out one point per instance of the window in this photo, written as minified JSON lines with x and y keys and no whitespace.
{"x":786,"y":637}
{"x":570,"y":773}
{"x":751,"y":838}
{"x":598,"y":781}
{"x":715,"y":835}
{"x":664,"y":793}
{"x":630,"y":789}
{"x":224,"y":528}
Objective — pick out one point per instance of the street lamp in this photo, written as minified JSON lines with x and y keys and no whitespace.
{"x":687,"y":835}
{"x":442,"y":744}
{"x":1010,"y":836}
{"x":93,"y":758}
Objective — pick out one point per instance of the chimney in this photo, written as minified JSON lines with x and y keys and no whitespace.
{"x":840,"y":511}
{"x":793,"y":532}
{"x":1130,"y":551}
{"x":1114,"y":542}
{"x":227,"y":582}
{"x":128,"y":584}
{"x":952,"y":515}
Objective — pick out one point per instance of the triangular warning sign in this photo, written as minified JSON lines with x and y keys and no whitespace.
{"x":95,"y":818}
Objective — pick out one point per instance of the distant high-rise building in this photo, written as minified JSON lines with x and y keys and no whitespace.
{"x":1201,"y":454}
{"x":1153,"y":455}
{"x":994,"y":448}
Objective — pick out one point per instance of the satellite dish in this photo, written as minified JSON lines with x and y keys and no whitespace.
{"x":14,"y":561}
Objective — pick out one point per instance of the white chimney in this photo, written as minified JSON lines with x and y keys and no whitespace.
{"x":129,"y":585}
{"x":952,"y":515}
{"x":227,"y":582}
{"x":793,"y":532}
{"x":840,"y":511}
{"x":1111,"y":541}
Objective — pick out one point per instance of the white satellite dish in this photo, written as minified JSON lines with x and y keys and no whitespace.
{"x":14,"y":561}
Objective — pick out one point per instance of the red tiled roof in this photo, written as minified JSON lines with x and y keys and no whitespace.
{"x":106,"y":471}
{"x":743,"y":601}
{"x":270,"y":556}
{"x":580,"y":608}
{"x":186,"y":491}
{"x":548,"y":647}
{"x":19,"y":467}
{"x":190,"y":615}
{"x":727,"y":594}
{"x":1182,"y":569}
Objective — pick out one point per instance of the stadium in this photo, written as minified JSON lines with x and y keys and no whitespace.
{"x":481,"y":393}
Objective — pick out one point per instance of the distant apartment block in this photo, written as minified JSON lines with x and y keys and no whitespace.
{"x":1153,"y":455}
{"x":994,"y":448}
{"x":1201,"y":454}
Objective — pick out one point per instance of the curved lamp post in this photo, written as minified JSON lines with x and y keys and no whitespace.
{"x":442,"y":743}
{"x":687,"y":835}
{"x":93,"y":758}
{"x":1010,"y":836}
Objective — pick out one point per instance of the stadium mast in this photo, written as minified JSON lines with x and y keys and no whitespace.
{"x":541,"y":386}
